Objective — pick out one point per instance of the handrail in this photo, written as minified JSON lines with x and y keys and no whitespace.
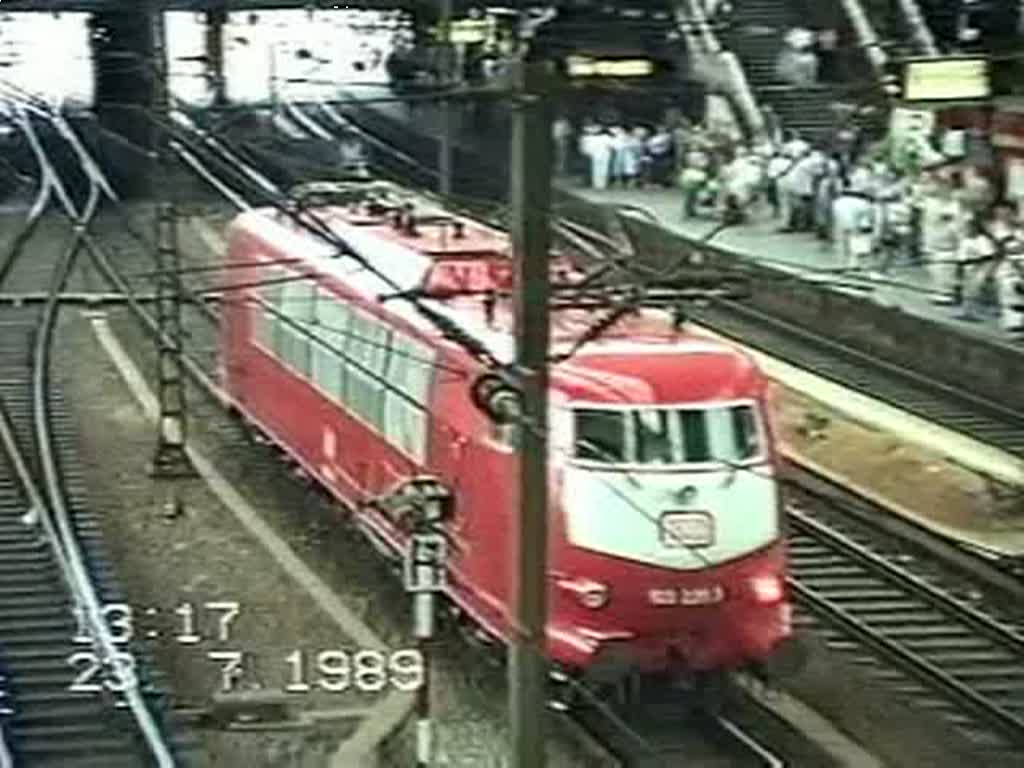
{"x":866,"y":35}
{"x":6,"y":761}
{"x":919,"y":27}
{"x":726,"y":63}
{"x":699,"y":20}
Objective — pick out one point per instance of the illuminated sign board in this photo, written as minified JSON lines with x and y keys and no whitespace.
{"x":583,"y":66}
{"x":946,"y":80}
{"x":468,"y":31}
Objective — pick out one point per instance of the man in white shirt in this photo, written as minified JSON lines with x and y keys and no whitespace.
{"x":798,"y":187}
{"x":1008,"y":271}
{"x":976,"y":251}
{"x":795,"y":147}
{"x":659,"y":147}
{"x":778,"y":166}
{"x":853,"y":220}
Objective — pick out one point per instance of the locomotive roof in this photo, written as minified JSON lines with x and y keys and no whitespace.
{"x":407,"y":260}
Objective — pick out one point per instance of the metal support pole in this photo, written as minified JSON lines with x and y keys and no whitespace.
{"x":215,"y":20}
{"x":424,"y":574}
{"x":169,"y":459}
{"x":530,"y":199}
{"x":444,"y":158}
{"x":423,"y":631}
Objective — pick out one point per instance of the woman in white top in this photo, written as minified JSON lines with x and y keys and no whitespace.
{"x":853,"y":218}
{"x":596,"y":145}
{"x":601,"y":160}
{"x":620,"y":140}
{"x":632,"y":155}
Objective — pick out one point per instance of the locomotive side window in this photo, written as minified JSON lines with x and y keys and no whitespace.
{"x":367,"y":353}
{"x":299,"y":306}
{"x":332,"y":318}
{"x":266,"y":313}
{"x":409,"y":374}
{"x":601,"y":436}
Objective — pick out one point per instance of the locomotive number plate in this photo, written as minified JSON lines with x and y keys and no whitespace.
{"x":687,"y":529}
{"x":687,"y":596}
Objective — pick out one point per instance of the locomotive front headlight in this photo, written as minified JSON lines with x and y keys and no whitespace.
{"x":587,"y":592}
{"x":767,"y":588}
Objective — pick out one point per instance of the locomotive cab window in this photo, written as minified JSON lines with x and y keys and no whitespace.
{"x":601,"y":435}
{"x":666,"y":435}
{"x":653,"y":436}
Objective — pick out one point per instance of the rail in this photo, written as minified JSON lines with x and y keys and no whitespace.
{"x":83,"y":590}
{"x":829,"y":601}
{"x":768,"y":758}
{"x":110,"y":273}
{"x":919,"y":27}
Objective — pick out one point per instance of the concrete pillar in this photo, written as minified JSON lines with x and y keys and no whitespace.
{"x":215,"y":21}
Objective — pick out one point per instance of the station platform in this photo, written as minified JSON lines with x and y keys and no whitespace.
{"x":940,"y":479}
{"x":907,"y":286}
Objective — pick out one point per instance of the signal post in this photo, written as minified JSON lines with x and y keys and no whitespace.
{"x":530,"y":198}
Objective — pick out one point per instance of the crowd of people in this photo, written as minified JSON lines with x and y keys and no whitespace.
{"x":884,"y":213}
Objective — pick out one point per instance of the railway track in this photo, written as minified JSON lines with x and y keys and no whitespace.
{"x":918,"y":625}
{"x":662,"y":736}
{"x":661,"y":730}
{"x":46,"y":722}
{"x":77,"y":690}
{"x":946,"y":653}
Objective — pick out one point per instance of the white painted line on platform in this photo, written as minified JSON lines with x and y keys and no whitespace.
{"x":388,"y":713}
{"x":958,"y":448}
{"x":836,"y":744}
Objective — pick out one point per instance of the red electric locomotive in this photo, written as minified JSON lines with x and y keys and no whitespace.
{"x":666,"y":553}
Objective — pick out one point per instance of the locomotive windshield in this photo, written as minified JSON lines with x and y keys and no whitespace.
{"x":671,"y":435}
